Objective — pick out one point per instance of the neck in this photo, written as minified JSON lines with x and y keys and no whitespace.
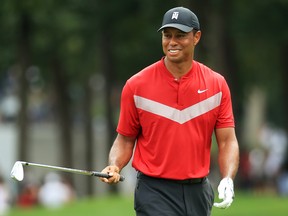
{"x":178,"y":69}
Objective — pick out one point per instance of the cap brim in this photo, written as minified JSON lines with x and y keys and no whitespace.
{"x":177,"y":26}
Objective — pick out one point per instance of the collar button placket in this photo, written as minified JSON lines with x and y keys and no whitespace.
{"x":180,"y":101}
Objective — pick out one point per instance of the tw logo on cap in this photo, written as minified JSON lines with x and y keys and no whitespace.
{"x":175,"y":15}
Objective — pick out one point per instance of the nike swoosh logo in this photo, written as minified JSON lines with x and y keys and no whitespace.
{"x":202,"y":91}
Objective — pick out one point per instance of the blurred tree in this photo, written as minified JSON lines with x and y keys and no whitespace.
{"x":260,"y":33}
{"x":24,"y":58}
{"x":54,"y":22}
{"x":22,"y":26}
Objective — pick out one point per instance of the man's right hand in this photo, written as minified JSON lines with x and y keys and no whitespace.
{"x":112,"y":171}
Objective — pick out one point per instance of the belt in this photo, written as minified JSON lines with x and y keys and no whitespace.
{"x":185,"y":181}
{"x":190,"y":181}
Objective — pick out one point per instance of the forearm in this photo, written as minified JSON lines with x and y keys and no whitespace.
{"x":119,"y":157}
{"x":228,"y":159}
{"x":120,"y":154}
{"x":121,"y":151}
{"x":228,"y":152}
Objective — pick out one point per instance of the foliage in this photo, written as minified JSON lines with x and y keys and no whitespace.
{"x":72,"y":30}
{"x":260,"y":33}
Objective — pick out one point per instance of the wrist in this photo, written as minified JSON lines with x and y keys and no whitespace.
{"x":115,"y":168}
{"x":228,"y":180}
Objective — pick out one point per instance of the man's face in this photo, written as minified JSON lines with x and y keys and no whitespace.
{"x":178,"y":46}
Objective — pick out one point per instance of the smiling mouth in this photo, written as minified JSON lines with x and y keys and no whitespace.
{"x":173,"y":51}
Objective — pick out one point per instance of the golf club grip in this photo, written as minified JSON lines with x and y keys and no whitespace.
{"x":104,"y":175}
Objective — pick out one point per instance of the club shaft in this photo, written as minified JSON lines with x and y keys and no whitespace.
{"x":70,"y":170}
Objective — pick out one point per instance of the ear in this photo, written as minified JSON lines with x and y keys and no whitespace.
{"x":197,"y":37}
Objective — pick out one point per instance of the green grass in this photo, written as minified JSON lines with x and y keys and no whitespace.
{"x":244,"y":204}
{"x":256,"y":205}
{"x":105,"y":206}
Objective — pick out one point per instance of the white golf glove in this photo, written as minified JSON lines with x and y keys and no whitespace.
{"x":226,"y":193}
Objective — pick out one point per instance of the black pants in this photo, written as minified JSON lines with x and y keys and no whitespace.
{"x":162,"y":197}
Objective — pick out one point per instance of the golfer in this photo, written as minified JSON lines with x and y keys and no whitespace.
{"x":169,"y":111}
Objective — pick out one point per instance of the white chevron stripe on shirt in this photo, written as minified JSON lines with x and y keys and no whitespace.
{"x":180,"y":116}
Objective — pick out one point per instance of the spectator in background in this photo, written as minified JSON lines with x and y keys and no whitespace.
{"x":9,"y":108}
{"x":28,"y":196}
{"x":54,"y":192}
{"x":4,"y":198}
{"x":282,"y":180}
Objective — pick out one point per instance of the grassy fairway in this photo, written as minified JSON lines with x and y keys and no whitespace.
{"x":106,"y":206}
{"x":244,"y":204}
{"x":256,"y":205}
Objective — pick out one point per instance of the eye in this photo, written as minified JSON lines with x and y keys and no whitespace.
{"x":181,"y":35}
{"x":166,"y":35}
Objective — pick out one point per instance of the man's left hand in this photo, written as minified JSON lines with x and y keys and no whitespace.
{"x":226,"y":193}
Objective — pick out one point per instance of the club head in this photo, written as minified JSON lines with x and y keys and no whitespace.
{"x":17,"y":171}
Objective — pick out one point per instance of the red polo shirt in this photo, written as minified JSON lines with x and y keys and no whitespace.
{"x":173,"y":120}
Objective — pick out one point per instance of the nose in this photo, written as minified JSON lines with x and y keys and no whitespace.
{"x":173,"y":41}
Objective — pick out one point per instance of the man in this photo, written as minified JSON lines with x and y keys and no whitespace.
{"x":169,"y":112}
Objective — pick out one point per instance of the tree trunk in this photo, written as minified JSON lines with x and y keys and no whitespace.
{"x":230,"y":64}
{"x":216,"y":46}
{"x":203,"y":14}
{"x":88,"y":130}
{"x":24,"y":63}
{"x":61,"y":85}
{"x":285,"y":91}
{"x":107,"y":68}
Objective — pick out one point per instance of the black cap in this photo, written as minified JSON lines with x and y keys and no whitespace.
{"x":180,"y":18}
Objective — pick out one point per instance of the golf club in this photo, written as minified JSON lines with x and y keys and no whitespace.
{"x":17,"y":171}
